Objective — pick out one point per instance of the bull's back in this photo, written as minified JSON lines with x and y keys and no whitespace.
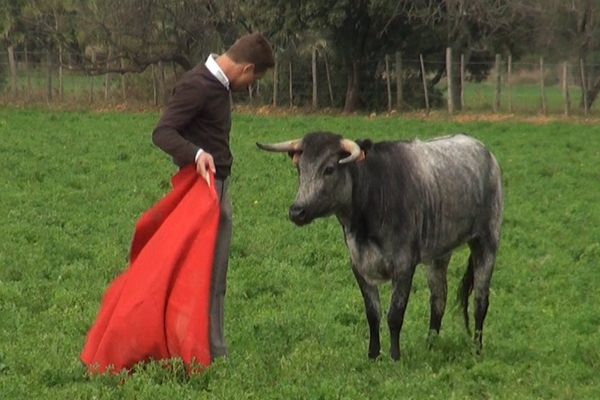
{"x":459,"y":178}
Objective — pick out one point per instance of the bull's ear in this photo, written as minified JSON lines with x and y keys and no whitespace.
{"x":365,"y":145}
{"x":295,"y":156}
{"x":361,"y":157}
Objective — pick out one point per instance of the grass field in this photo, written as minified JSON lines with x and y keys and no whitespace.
{"x":73,"y":185}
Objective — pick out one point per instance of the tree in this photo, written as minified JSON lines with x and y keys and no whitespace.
{"x":572,"y":27}
{"x":11,"y":33}
{"x":145,"y":32}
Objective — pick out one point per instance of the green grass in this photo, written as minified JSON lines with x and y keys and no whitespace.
{"x":526,"y":99}
{"x":73,"y":185}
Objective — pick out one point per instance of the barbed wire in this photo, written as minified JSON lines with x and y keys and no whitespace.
{"x":33,"y":75}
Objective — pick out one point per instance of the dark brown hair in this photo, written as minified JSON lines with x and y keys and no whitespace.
{"x":253,"y":49}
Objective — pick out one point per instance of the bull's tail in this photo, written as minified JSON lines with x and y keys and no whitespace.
{"x":464,"y":291}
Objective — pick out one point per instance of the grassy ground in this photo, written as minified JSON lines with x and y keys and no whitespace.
{"x":73,"y":185}
{"x":526,"y":99}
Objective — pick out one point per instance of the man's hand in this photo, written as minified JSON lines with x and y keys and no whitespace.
{"x":205,"y":164}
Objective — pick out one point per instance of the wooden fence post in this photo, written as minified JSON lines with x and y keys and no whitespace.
{"x":28,"y":72}
{"x":462,"y":82}
{"x":565,"y":85}
{"x":328,"y":79}
{"x":49,"y":78}
{"x":251,"y":93}
{"x":498,"y":84}
{"x":174,"y":68}
{"x":509,"y":83}
{"x":13,"y":70}
{"x":399,"y":73}
{"x":424,"y":79}
{"x":315,"y":102}
{"x":583,"y":87}
{"x":107,"y":75}
{"x":291,"y":89}
{"x":154,"y":87}
{"x":275,"y":82}
{"x":92,"y":77}
{"x":123,"y":85}
{"x":61,"y":80}
{"x":163,"y":83}
{"x":388,"y":82}
{"x":449,"y":79}
{"x":542,"y":86}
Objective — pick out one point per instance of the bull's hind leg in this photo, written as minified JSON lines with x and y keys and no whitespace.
{"x":370,"y":295}
{"x":483,"y":253}
{"x":438,"y":286}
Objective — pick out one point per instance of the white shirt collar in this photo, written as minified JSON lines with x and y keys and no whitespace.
{"x":213,"y":67}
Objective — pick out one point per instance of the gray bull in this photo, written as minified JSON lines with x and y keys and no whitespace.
{"x":401,"y":204}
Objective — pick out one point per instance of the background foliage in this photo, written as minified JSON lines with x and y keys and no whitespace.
{"x":353,"y":35}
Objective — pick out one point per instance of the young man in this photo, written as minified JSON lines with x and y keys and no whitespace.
{"x":195,"y":127}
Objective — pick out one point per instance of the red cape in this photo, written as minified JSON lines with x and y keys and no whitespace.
{"x":159,"y":307}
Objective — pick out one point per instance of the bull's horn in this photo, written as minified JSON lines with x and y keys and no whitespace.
{"x":351,"y":147}
{"x":283,"y":147}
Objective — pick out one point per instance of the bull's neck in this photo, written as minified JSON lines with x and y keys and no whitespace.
{"x":356,"y":212}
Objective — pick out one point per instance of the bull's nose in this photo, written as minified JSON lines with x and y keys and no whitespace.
{"x":297,"y":213}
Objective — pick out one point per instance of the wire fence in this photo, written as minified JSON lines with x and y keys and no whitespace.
{"x":393,"y":83}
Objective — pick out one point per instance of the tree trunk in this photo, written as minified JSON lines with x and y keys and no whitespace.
{"x":61,"y":86}
{"x":352,"y":102}
{"x":592,"y":94}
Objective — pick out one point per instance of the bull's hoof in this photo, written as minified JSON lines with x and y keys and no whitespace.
{"x":432,"y":337}
{"x":478,"y":342}
{"x":395,"y":355}
{"x":374,"y":351}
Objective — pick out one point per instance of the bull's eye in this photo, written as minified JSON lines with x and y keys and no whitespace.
{"x":328,"y":170}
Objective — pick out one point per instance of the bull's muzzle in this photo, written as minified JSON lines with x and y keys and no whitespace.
{"x":298,"y":215}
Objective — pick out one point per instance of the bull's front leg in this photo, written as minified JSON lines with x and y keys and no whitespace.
{"x":370,"y":295}
{"x":401,"y":284}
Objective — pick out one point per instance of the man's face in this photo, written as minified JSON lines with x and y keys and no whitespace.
{"x":246,"y":77}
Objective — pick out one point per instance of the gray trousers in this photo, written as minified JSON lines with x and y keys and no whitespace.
{"x":218,"y":347}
